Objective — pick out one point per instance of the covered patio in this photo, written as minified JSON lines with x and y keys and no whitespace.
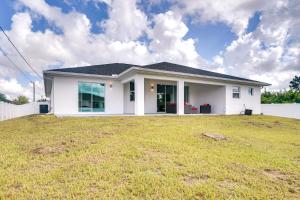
{"x":152,"y":96}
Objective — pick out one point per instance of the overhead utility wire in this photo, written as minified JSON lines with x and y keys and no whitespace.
{"x":14,"y":64}
{"x":20,"y":54}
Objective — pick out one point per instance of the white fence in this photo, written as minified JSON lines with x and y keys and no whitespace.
{"x":291,"y":110}
{"x":9,"y":111}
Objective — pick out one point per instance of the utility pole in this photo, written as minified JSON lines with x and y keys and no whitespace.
{"x":33,"y":85}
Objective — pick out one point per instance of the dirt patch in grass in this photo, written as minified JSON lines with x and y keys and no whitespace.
{"x":297,"y":160}
{"x":241,"y":167}
{"x":179,"y":165}
{"x":102,"y":134}
{"x":158,"y":172}
{"x":275,"y":174}
{"x":258,"y":124}
{"x":278,"y":123}
{"x":295,"y":144}
{"x":105,"y":133}
{"x":16,"y":186}
{"x":192,"y":180}
{"x":48,"y":150}
{"x":291,"y":180}
{"x":215,"y":136}
{"x":264,"y":125}
{"x":227,"y":184}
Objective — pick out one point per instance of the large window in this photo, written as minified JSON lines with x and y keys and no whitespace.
{"x":91,"y":97}
{"x":236,"y":92}
{"x":131,"y":89}
{"x":186,"y":94}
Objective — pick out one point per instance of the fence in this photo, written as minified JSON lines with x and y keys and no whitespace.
{"x":9,"y":111}
{"x":291,"y":110}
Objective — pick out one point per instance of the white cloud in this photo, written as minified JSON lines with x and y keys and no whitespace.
{"x":77,"y":45}
{"x":126,"y":22}
{"x":11,"y":88}
{"x":231,"y":12}
{"x":168,"y":40}
{"x":272,"y":52}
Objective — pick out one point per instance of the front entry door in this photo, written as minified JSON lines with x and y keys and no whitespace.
{"x":166,"y":94}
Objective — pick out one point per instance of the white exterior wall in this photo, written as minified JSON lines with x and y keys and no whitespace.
{"x":66,"y":96}
{"x":51,"y":103}
{"x":290,"y":110}
{"x":128,"y":105}
{"x":151,"y":96}
{"x":180,"y":97}
{"x":216,"y":93}
{"x":208,"y":94}
{"x":236,"y":106}
{"x":139,"y":91}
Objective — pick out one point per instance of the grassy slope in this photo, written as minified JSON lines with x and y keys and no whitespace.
{"x":150,"y":157}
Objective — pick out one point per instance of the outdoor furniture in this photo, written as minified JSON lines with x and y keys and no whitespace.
{"x":171,"y":108}
{"x":205,"y":108}
{"x":194,"y":110}
{"x":187,"y":108}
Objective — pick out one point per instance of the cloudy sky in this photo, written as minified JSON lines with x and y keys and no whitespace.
{"x":250,"y":38}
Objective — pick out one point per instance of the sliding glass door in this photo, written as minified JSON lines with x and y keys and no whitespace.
{"x":166,"y":94}
{"x":161,"y":98}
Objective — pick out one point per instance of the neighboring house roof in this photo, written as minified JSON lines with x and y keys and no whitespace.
{"x":118,"y":68}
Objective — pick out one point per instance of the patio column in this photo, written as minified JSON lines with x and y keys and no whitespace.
{"x":180,"y":97}
{"x":139,"y":95}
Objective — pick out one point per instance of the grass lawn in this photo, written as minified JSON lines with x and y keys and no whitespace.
{"x":44,"y":157}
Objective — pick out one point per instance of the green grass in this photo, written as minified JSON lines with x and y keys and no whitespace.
{"x":44,"y":157}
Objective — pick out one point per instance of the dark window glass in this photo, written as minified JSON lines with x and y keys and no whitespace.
{"x":186,"y":94}
{"x":236,"y":92}
{"x":161,"y":98}
{"x":251,"y":91}
{"x":131,"y":91}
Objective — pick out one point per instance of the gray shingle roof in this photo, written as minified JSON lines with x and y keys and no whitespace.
{"x":117,"y":68}
{"x":190,"y":70}
{"x":105,"y":69}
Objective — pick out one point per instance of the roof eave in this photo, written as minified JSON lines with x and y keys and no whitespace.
{"x":134,"y":68}
{"x":193,"y":75}
{"x":79,"y":74}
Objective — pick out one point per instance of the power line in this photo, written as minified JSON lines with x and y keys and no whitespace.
{"x":14,"y":64}
{"x":20,"y":54}
{"x":20,"y":70}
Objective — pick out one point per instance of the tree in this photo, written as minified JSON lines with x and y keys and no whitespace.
{"x":295,"y":83}
{"x":21,"y":100}
{"x":3,"y":97}
{"x":280,"y":97}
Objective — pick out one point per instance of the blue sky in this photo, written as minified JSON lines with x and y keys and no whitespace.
{"x":250,"y":38}
{"x":211,"y":37}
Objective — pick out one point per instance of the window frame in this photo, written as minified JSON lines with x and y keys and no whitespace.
{"x":236,"y":93}
{"x":91,"y":101}
{"x":131,"y":91}
{"x":251,"y":91}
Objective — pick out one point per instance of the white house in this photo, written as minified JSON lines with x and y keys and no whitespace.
{"x":116,"y":89}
